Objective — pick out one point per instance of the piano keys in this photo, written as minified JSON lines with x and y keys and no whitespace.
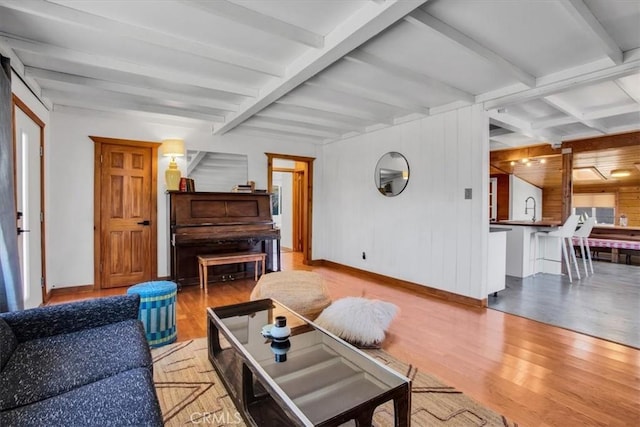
{"x":203,"y":223}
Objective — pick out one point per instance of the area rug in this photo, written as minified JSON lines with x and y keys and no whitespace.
{"x":191,"y":393}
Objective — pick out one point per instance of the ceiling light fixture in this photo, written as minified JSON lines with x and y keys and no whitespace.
{"x":619,"y":173}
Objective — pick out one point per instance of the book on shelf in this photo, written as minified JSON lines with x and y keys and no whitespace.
{"x":187,"y":185}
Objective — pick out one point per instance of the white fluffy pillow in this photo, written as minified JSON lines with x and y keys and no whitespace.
{"x":360,"y":321}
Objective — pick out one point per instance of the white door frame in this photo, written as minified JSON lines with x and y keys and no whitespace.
{"x":36,"y":216}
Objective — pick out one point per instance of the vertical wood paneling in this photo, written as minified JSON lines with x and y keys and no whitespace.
{"x":429,"y":234}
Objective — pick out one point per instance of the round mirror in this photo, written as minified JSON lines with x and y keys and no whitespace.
{"x":392,"y":174}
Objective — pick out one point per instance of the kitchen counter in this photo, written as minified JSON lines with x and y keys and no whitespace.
{"x":530,"y":223}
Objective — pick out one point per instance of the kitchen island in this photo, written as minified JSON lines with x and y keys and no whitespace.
{"x":521,"y":248}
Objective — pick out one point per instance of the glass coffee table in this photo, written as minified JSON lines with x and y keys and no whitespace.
{"x":312,"y":378}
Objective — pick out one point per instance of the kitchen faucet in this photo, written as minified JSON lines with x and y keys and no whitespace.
{"x":526,"y":207}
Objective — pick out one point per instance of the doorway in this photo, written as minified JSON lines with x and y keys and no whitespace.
{"x":125,"y":212}
{"x":290,"y":180}
{"x":29,"y":166}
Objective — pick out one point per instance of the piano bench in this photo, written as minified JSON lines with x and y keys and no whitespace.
{"x":205,"y":261}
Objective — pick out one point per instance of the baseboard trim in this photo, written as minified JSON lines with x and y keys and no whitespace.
{"x":70,"y":290}
{"x":406,"y":285}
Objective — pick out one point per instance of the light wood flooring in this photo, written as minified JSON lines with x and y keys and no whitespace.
{"x":533,"y":373}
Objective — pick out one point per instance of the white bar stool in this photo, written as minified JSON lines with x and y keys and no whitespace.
{"x":565,"y":233}
{"x":582,"y":234}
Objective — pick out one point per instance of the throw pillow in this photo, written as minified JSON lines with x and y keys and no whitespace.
{"x":359,"y":321}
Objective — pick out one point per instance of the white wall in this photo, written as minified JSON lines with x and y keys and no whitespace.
{"x":70,"y":180}
{"x":429,"y":234}
{"x":519,"y":191}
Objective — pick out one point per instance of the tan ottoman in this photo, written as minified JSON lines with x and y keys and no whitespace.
{"x":302,"y":291}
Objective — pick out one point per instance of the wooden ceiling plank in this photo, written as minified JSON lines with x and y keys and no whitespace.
{"x":323,"y":111}
{"x":252,"y":19}
{"x":154,"y":36}
{"x":604,"y":142}
{"x":515,"y":154}
{"x":300,"y":117}
{"x":422,"y":19}
{"x":195,"y":161}
{"x":515,"y":124}
{"x":398,"y":71}
{"x":628,"y":91}
{"x":367,"y":94}
{"x":371,"y":19}
{"x":111,"y":63}
{"x":298,"y":124}
{"x":561,"y":105}
{"x":630,"y":65}
{"x":266,"y":123}
{"x":255,"y":130}
{"x":75,"y":100}
{"x":584,"y":17}
{"x":81,"y":81}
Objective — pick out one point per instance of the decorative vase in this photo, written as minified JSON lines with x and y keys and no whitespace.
{"x":280,"y":349}
{"x":280,"y":331}
{"x":172,"y":176}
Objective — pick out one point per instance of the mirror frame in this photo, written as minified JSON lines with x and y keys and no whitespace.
{"x":394,"y":174}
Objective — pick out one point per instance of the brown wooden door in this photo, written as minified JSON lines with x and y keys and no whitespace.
{"x":126,"y":213}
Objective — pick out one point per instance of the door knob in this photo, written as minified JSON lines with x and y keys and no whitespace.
{"x":145,"y":222}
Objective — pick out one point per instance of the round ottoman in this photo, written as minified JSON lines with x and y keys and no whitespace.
{"x":157,"y":311}
{"x":302,"y":291}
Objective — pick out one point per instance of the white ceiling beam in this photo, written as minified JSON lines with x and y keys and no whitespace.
{"x":156,"y":36}
{"x":631,"y":65}
{"x":308,"y":113}
{"x":297,"y":124}
{"x":82,"y":101}
{"x":252,"y":19}
{"x":266,"y":133}
{"x":80,"y":81}
{"x":111,"y":63}
{"x":18,"y":67}
{"x":101,"y":94}
{"x":422,"y":19}
{"x":631,"y":92}
{"x":556,"y":121}
{"x":493,"y":133}
{"x":517,"y":125}
{"x":372,"y":95}
{"x":265,"y":123}
{"x":195,"y":161}
{"x":561,"y":105}
{"x":309,"y":102}
{"x":585,"y":19}
{"x":330,"y":124}
{"x":612,"y":111}
{"x":361,"y":57}
{"x":370,"y":20}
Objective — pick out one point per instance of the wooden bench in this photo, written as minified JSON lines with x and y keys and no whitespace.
{"x":205,"y":261}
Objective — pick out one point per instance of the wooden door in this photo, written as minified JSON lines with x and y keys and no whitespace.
{"x":298,"y":210}
{"x":126,"y":216}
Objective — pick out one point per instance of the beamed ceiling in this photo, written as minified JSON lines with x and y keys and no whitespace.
{"x":323,"y":70}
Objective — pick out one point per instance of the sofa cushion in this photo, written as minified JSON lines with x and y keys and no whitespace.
{"x":126,"y":399}
{"x":8,"y":343}
{"x":46,"y":367}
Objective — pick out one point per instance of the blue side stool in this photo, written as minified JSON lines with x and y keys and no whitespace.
{"x":157,"y":311}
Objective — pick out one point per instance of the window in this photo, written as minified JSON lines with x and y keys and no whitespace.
{"x":602,"y":206}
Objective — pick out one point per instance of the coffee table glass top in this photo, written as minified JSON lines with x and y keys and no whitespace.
{"x":321,"y":375}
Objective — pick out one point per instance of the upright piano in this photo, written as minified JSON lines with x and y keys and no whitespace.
{"x":203,"y":223}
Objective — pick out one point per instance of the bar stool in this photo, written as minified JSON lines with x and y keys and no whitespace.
{"x":565,"y":233}
{"x":582,"y":235}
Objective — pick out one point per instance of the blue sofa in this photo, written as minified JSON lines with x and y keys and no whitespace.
{"x":77,"y":364}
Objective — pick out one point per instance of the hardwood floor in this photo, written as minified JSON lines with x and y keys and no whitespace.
{"x":533,"y":373}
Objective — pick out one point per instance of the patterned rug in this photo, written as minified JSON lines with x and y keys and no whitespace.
{"x":190,"y":392}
